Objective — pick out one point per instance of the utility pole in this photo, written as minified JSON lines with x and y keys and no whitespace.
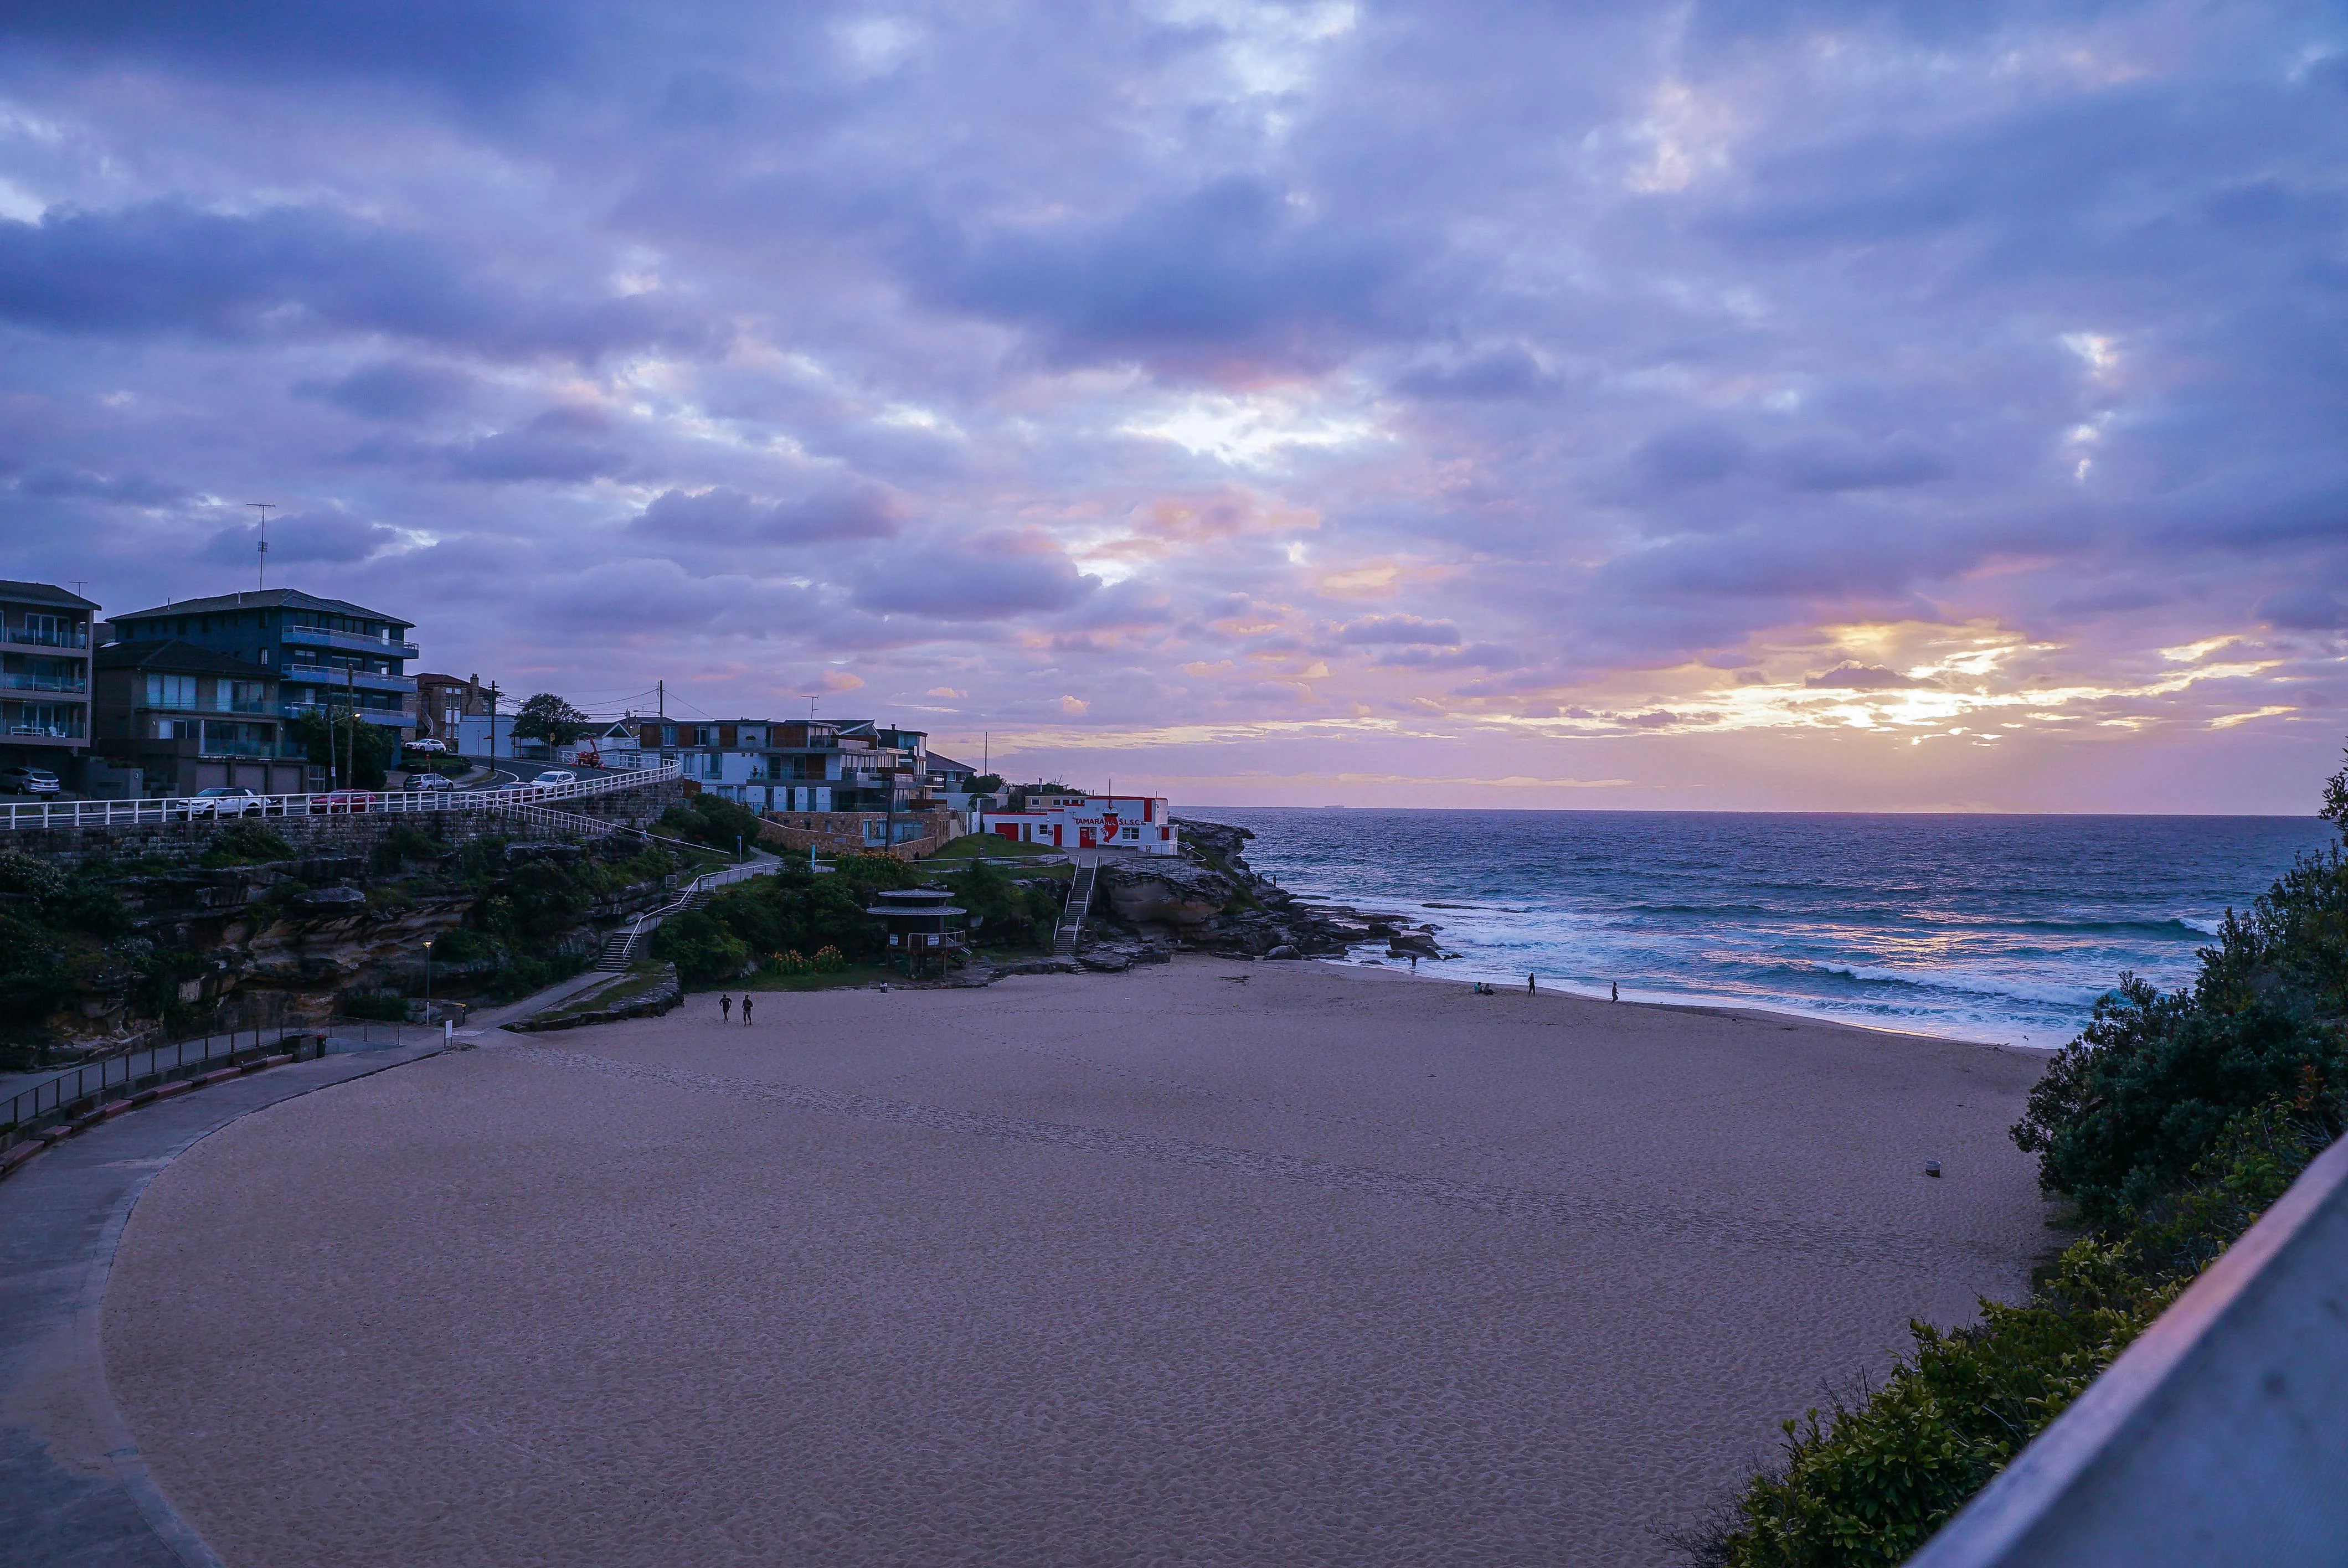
{"x":351,"y":727}
{"x":261,"y":578}
{"x":493,"y":726}
{"x":663,"y":698}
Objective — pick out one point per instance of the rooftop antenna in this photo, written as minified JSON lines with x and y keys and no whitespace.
{"x":261,"y":578}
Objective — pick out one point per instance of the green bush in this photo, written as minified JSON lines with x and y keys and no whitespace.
{"x":712,"y":820}
{"x":1001,"y":910}
{"x":792,"y":911}
{"x":2172,"y":1122}
{"x":246,"y":842}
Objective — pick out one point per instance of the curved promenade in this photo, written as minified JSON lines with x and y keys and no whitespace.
{"x":1212,"y":1264}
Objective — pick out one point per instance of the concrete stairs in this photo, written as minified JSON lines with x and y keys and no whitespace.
{"x":1072,"y":917}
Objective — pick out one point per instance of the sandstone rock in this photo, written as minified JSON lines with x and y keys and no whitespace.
{"x":1165,"y":893}
{"x":1285,"y":950}
{"x":336,"y":900}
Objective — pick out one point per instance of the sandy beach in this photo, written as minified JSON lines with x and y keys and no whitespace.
{"x":1212,"y":1264}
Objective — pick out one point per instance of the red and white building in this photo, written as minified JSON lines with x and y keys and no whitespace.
{"x":1139,"y":823}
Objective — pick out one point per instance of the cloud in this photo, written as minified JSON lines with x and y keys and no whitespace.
{"x":987,"y":578}
{"x":292,"y":272}
{"x":1237,"y":366}
{"x":2304,"y":610}
{"x":402,"y":391}
{"x":1231,"y":273}
{"x":304,"y":538}
{"x":1852,"y":676}
{"x":723,"y":516}
{"x":1399,"y":628}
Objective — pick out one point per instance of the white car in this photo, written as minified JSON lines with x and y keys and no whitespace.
{"x":552,"y":777}
{"x":427,"y":744}
{"x":226,"y":799}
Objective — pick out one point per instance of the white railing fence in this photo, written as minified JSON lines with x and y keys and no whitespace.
{"x":329,"y":803}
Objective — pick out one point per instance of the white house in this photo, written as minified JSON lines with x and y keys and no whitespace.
{"x":1135,"y":821}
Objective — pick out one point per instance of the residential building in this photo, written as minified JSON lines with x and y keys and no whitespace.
{"x":326,"y":654}
{"x":442,"y":701}
{"x":189,"y":718}
{"x":1141,"y":823}
{"x":45,"y":637}
{"x":795,"y":764}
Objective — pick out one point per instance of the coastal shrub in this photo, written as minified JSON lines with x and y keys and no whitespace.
{"x":246,"y":842}
{"x":827,"y":960}
{"x":712,"y":820}
{"x":793,"y":911}
{"x":2172,"y":1122}
{"x":705,"y":952}
{"x":462,"y":946}
{"x":406,"y":841}
{"x":1000,"y":910}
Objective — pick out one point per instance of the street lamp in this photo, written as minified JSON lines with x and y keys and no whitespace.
{"x":427,"y":982}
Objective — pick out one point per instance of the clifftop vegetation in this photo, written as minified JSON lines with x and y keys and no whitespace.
{"x":2169,"y":1124}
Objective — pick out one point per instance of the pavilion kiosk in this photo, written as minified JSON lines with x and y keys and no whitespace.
{"x":918,"y":926}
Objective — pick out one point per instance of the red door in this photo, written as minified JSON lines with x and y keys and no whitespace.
{"x":1009,"y":830}
{"x":1084,"y":835}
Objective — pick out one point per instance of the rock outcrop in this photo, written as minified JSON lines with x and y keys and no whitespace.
{"x":1213,"y":901}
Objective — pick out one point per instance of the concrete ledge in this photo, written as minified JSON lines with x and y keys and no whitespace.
{"x":2220,"y":1438}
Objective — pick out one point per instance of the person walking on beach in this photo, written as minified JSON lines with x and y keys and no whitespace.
{"x":1414,"y":963}
{"x":1530,"y":988}
{"x":726,"y":1006}
{"x":1613,"y":990}
{"x":745,"y":1010}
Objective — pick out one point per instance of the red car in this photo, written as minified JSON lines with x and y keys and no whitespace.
{"x":341,"y":800}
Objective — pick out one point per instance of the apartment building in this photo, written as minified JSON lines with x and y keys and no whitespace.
{"x":444,"y":702}
{"x":191,"y":718}
{"x":45,"y":637}
{"x":796,"y":764}
{"x":326,"y":654}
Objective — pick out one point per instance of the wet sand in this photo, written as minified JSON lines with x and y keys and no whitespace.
{"x":1326,"y":1266}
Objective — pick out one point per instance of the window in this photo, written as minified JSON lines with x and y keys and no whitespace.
{"x":171,"y":691}
{"x":244,"y":696}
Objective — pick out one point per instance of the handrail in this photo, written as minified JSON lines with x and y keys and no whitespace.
{"x":323,"y":803}
{"x":49,"y":1099}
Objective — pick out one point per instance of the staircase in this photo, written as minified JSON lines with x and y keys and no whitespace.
{"x":1072,"y":918}
{"x":621,"y":947}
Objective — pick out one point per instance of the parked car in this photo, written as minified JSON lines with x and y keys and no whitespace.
{"x":225,"y":800}
{"x":551,"y":777}
{"x":29,"y":781}
{"x":334,"y":802}
{"x":427,"y":744}
{"x":430,"y":782}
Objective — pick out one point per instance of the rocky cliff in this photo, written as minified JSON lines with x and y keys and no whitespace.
{"x":1213,"y":901}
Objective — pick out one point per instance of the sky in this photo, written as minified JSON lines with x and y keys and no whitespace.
{"x":1728,"y":405}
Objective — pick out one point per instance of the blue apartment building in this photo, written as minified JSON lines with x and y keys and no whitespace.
{"x":323,"y":654}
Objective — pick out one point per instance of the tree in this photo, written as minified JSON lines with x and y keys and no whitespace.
{"x":369,"y":749}
{"x":547,"y":717}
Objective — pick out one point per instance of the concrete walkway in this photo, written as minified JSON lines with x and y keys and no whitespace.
{"x":74,"y":1489}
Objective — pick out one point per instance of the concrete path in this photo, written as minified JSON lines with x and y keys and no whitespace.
{"x":73,"y":1487}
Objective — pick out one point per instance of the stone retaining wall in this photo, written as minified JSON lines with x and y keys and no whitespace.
{"x":842,"y":832}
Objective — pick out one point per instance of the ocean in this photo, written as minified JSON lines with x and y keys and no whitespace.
{"x":2003,"y":929}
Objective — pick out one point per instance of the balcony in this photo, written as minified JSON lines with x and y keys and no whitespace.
{"x":14,"y":680}
{"x":347,"y":642}
{"x":19,"y":730}
{"x":327,"y":679}
{"x":37,"y":637}
{"x":251,"y":749}
{"x":396,"y":718}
